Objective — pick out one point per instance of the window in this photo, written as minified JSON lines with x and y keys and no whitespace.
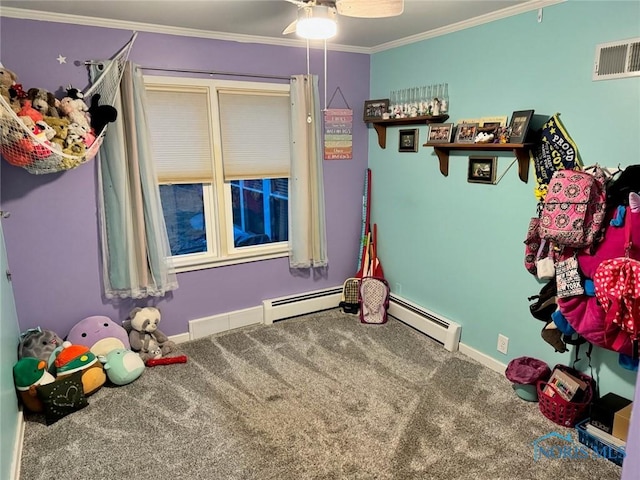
{"x":222,"y":154}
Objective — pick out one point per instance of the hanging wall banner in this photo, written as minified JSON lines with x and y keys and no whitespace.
{"x":338,"y":141}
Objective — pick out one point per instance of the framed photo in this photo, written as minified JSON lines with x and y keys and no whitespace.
{"x":408,"y":140}
{"x":440,"y":133}
{"x":482,"y":170}
{"x":500,"y":120}
{"x":466,"y":132}
{"x":489,"y":127}
{"x":374,"y":109}
{"x":519,"y":126}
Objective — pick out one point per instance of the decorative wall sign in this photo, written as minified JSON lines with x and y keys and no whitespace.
{"x":338,"y":140}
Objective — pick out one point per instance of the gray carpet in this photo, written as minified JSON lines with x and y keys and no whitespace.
{"x":316,"y":397}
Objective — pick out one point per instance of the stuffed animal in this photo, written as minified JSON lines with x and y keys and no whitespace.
{"x":43,"y":101}
{"x":61,"y":128}
{"x":144,"y":335}
{"x":78,"y":358}
{"x":16,"y":95}
{"x":90,"y":330}
{"x":38,"y":343}
{"x":73,"y":107}
{"x":122,"y":366}
{"x":29,"y":373}
{"x":7,"y":80}
{"x":101,"y":115}
{"x":27,"y":110}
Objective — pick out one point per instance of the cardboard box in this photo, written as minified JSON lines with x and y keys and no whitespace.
{"x":621,"y":422}
{"x":604,"y":409}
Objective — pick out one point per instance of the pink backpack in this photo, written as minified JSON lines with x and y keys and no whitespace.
{"x":574,"y":208}
{"x":374,"y":300}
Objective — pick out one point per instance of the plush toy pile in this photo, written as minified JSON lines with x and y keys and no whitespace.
{"x":55,"y":377}
{"x":44,"y":134}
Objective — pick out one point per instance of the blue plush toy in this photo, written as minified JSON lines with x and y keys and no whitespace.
{"x":122,"y":366}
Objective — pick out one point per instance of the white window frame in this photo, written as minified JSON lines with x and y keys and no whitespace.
{"x":217,"y":194}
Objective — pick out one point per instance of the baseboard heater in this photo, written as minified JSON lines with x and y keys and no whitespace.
{"x":435,"y":326}
{"x":294,"y":305}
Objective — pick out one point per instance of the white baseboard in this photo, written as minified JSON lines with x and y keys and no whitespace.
{"x":482,"y":358}
{"x":203,"y":327}
{"x":17,"y":448}
{"x":180,"y":338}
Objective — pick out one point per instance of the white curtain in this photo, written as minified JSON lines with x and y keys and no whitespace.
{"x":307,"y":225}
{"x":135,"y":248}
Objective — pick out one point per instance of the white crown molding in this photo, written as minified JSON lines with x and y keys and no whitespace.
{"x":474,"y":22}
{"x":189,"y":32}
{"x":180,"y":31}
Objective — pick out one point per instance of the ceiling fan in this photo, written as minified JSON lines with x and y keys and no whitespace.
{"x":324,"y":13}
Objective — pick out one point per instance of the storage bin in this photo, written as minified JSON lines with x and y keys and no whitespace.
{"x":605,"y":449}
{"x":561,"y":411}
{"x":525,"y":372}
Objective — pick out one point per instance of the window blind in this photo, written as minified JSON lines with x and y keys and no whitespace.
{"x":181,"y":135}
{"x":255,"y":134}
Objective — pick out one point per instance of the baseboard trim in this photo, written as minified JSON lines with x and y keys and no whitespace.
{"x":17,"y":449}
{"x":201,"y":327}
{"x":180,"y":338}
{"x":482,"y":358}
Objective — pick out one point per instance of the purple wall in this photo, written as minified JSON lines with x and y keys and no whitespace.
{"x":52,"y":234}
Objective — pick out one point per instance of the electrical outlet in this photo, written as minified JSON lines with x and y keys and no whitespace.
{"x":503,"y":344}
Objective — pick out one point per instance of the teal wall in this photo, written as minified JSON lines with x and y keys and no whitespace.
{"x":457,"y":247}
{"x":9,"y":334}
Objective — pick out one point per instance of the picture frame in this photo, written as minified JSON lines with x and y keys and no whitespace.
{"x":482,"y":169}
{"x":519,"y":126}
{"x":440,"y":133}
{"x":408,"y":140}
{"x":375,"y":109}
{"x":501,"y":120}
{"x":466,"y":132}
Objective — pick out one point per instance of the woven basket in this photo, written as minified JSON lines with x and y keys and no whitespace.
{"x":561,"y":411}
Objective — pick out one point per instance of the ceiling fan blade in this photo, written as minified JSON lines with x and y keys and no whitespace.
{"x":299,"y":3}
{"x":290,"y":28}
{"x":370,"y":8}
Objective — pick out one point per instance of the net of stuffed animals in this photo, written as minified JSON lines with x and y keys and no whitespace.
{"x":44,"y":135}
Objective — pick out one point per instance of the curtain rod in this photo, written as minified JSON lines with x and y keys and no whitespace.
{"x":207,"y":72}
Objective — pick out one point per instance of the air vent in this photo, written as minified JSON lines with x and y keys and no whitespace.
{"x":617,"y":60}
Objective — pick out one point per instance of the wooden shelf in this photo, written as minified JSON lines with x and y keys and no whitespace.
{"x":521,"y":151}
{"x":381,"y":125}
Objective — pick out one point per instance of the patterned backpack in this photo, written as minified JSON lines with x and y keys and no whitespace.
{"x":374,"y":300}
{"x":574,"y":208}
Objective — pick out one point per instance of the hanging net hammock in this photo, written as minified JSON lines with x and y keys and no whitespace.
{"x":65,"y":134}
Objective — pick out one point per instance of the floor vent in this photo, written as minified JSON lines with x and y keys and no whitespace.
{"x":617,"y":60}
{"x":435,"y":326}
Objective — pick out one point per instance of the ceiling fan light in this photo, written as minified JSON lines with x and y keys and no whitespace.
{"x":316,"y":23}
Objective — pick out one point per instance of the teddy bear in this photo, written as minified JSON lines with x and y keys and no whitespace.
{"x":7,"y":80}
{"x":61,"y":128}
{"x":144,"y":335}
